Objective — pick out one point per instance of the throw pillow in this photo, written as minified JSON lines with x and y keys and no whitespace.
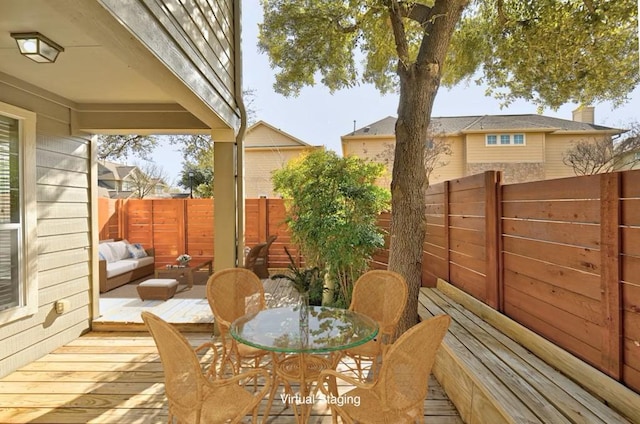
{"x":137,"y":251}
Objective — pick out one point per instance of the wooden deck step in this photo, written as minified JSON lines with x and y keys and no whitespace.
{"x":493,"y":379}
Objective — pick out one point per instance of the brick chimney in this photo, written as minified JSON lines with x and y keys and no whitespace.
{"x":584,"y":114}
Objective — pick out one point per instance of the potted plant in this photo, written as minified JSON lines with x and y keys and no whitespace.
{"x":308,"y":281}
{"x":183,"y":259}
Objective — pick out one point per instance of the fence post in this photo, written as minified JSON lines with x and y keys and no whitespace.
{"x":121,"y":210}
{"x":263,"y":219}
{"x":610,"y":276}
{"x":492,"y":232}
{"x":447,"y":236}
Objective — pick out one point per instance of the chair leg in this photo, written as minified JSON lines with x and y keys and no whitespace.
{"x":358,"y":362}
{"x":272,"y":394}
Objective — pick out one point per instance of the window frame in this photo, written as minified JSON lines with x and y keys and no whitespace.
{"x":28,"y":273}
{"x":498,"y":137}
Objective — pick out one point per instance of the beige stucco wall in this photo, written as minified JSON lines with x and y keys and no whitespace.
{"x":259,"y":164}
{"x":539,"y":158}
{"x":264,"y":136}
{"x":479,"y":152}
{"x":376,"y":148}
{"x":64,"y":254}
{"x":454,"y":164}
{"x":556,"y":146}
{"x":266,"y":149}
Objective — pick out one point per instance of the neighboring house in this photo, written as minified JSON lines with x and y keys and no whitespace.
{"x":124,"y":181}
{"x":266,"y":149}
{"x":524,"y":147}
{"x":124,"y":67}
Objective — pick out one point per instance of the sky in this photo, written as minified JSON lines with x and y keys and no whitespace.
{"x":320,"y":118}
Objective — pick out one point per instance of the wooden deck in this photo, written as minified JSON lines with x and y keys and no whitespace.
{"x":114,"y":374}
{"x":117,"y":377}
{"x":488,"y":366}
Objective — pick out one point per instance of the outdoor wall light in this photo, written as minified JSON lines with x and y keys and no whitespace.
{"x":37,"y":47}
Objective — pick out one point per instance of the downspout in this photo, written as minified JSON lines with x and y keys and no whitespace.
{"x":240,"y":210}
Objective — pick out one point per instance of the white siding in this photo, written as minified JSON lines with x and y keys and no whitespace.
{"x":63,"y":235}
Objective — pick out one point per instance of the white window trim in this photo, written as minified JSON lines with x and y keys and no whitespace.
{"x":29,"y":271}
{"x":511,"y":143}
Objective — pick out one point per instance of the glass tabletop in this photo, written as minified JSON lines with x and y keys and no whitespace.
{"x":282,"y":329}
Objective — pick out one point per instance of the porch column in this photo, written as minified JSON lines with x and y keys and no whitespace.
{"x":226,"y":199}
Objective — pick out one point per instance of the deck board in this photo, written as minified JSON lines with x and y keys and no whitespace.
{"x":517,"y":385}
{"x":101,"y":381}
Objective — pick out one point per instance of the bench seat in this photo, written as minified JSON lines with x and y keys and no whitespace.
{"x":493,"y":379}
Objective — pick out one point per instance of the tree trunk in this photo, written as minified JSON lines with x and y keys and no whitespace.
{"x":419,"y":84}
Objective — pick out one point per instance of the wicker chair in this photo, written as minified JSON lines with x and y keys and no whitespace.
{"x":233,"y":293}
{"x":192,"y":397}
{"x":257,"y":259}
{"x":382,"y":296}
{"x":398,"y":395}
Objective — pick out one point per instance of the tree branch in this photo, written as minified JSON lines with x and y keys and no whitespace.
{"x":416,"y":11}
{"x":399,"y":35}
{"x":590,"y":6}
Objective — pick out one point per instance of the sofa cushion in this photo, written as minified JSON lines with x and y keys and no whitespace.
{"x":119,"y":267}
{"x":119,"y":249}
{"x":105,"y":253}
{"x":137,"y":251}
{"x":139,"y":262}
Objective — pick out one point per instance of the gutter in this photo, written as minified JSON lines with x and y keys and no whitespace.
{"x":240,"y":214}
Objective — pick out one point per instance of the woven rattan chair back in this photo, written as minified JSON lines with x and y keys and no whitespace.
{"x":233,"y":293}
{"x":194,"y":399}
{"x":182,"y":372}
{"x":398,"y":395}
{"x":382,"y":296}
{"x":404,"y":376}
{"x":257,"y":259}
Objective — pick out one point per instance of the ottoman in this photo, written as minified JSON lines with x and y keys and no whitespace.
{"x":157,"y":288}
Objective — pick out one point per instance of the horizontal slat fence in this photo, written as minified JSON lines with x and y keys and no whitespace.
{"x":630,"y":276}
{"x":561,"y":257}
{"x":176,"y":226}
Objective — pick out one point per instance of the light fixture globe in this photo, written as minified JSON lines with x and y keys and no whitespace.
{"x":37,"y":47}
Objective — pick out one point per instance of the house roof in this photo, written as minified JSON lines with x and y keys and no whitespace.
{"x":113,"y":171}
{"x":285,"y":139}
{"x":463,"y":124}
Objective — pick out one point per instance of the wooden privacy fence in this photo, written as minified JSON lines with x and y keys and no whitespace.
{"x":561,"y":257}
{"x":176,"y":226}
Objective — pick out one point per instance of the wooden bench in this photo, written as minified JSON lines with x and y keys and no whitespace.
{"x":493,"y":379}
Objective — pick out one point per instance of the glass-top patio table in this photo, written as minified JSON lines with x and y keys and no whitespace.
{"x":302,"y":332}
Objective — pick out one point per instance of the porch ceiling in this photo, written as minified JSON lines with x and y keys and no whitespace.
{"x":96,"y":72}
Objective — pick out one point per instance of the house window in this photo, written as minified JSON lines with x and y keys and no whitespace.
{"x":505,"y":139}
{"x":18,"y":290}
